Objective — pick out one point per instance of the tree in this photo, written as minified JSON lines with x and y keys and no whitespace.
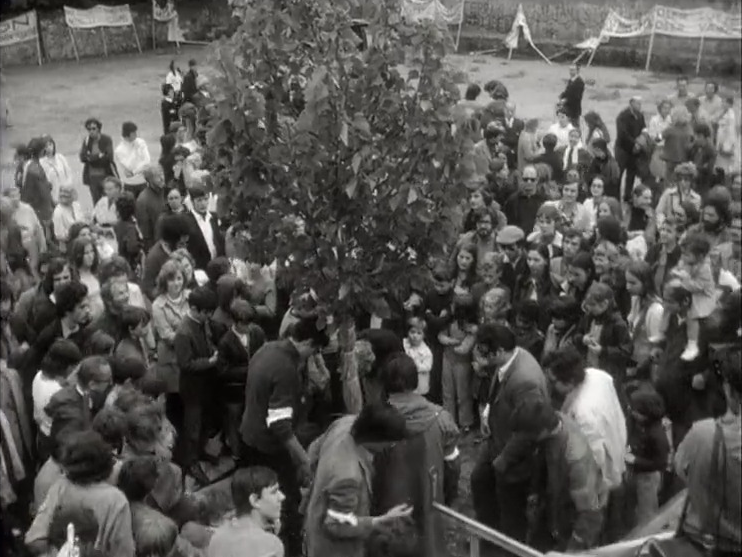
{"x":306,"y":125}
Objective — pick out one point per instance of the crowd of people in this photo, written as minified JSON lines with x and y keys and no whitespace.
{"x":568,"y":337}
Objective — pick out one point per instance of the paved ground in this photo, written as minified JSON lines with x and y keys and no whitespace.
{"x":56,"y":99}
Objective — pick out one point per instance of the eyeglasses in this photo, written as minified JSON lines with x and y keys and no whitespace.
{"x":529,"y":179}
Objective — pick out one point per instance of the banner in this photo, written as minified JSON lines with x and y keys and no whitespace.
{"x":694,"y":24}
{"x":168,"y":14}
{"x":98,"y":16}
{"x":19,"y":29}
{"x":419,"y":10}
{"x":511,"y":41}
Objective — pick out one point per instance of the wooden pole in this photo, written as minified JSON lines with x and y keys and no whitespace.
{"x":541,"y":53}
{"x":136,"y":37}
{"x":700,"y":55}
{"x":154,"y":39}
{"x":38,"y":41}
{"x":105,"y":45}
{"x":651,"y":40}
{"x":461,"y":24}
{"x":592,"y":54}
{"x":74,"y":44}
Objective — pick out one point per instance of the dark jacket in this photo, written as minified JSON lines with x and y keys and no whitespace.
{"x":189,"y":88}
{"x":103,"y":161}
{"x":169,"y":112}
{"x":554,"y":161}
{"x":156,"y":258}
{"x":274,"y":394}
{"x":150,"y":205}
{"x":196,"y":243}
{"x":521,"y":210}
{"x":572,"y":97}
{"x":704,"y":157}
{"x":649,"y":445}
{"x":608,"y":169}
{"x":67,"y":407}
{"x":37,"y":191}
{"x":234,"y":358}
{"x":584,"y":160}
{"x":523,"y":385}
{"x":678,"y":141}
{"x":193,"y":350}
{"x":661,"y":276}
{"x":615,"y":342}
{"x":510,"y":139}
{"x":629,"y":126}
{"x":130,"y":243}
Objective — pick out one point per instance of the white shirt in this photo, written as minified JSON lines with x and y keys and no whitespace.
{"x":105,"y":212}
{"x":175,"y":79}
{"x":42,"y":391}
{"x":131,"y":158}
{"x":501,"y":372}
{"x":423,"y":358}
{"x":561,"y":133}
{"x":58,"y":173}
{"x":64,"y":217}
{"x":566,"y":162}
{"x":204,"y":224}
{"x":594,"y":406}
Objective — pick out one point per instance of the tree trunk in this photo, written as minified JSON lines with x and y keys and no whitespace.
{"x":352,"y":393}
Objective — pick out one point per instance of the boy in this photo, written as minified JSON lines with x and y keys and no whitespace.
{"x":415,"y":348}
{"x":66,"y":213}
{"x":257,"y":500}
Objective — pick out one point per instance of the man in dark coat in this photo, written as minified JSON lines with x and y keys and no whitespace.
{"x":189,"y":88}
{"x":506,"y":464}
{"x":571,"y":98}
{"x":205,"y":239}
{"x":512,"y":127}
{"x":78,"y":403}
{"x":96,"y":155}
{"x":629,"y":126}
{"x":151,"y":204}
{"x":197,"y":356}
{"x":522,"y":206}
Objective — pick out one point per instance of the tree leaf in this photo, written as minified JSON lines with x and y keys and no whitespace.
{"x":344,"y":133}
{"x":350,"y":189}
{"x":411,"y":195}
{"x":345,"y":289}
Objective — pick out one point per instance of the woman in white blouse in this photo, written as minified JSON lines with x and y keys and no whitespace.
{"x":104,"y":213}
{"x":561,"y":129}
{"x":657,"y":126}
{"x":56,"y":167}
{"x":174,"y":78}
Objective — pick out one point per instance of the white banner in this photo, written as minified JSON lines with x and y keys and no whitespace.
{"x":19,"y":29}
{"x":98,"y":16}
{"x":511,"y":41}
{"x":435,"y":10}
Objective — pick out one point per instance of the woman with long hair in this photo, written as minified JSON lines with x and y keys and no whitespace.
{"x":645,"y":316}
{"x":84,"y":262}
{"x":465,"y":272}
{"x":596,"y":128}
{"x":55,"y":166}
{"x":535,"y":283}
{"x":167,"y":161}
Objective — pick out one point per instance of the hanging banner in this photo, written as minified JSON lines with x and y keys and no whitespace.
{"x":19,"y":29}
{"x":511,"y":41}
{"x":433,"y":10}
{"x":98,"y":16}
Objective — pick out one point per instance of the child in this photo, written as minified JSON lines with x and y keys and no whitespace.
{"x":66,"y":213}
{"x":415,"y":348}
{"x":526,"y":328}
{"x":648,"y":450}
{"x":457,"y":341}
{"x":437,"y":311}
{"x":695,"y":274}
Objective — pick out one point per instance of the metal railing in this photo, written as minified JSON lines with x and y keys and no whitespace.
{"x":478,"y":532}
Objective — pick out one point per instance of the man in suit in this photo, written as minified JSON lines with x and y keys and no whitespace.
{"x":77,"y":403}
{"x":205,"y":240}
{"x":197,"y":359}
{"x":571,"y":98}
{"x":574,"y":155}
{"x":151,"y":204}
{"x":506,"y":463}
{"x":513,"y":127}
{"x":522,"y":206}
{"x":629,"y":126}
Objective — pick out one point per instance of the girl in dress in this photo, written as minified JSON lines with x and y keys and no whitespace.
{"x":695,"y":274}
{"x":56,"y":167}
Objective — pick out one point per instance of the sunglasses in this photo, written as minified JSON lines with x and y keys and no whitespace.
{"x":529,"y":179}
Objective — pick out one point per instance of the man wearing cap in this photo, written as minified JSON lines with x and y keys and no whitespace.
{"x":522,"y":206}
{"x":511,"y":241}
{"x":629,"y":126}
